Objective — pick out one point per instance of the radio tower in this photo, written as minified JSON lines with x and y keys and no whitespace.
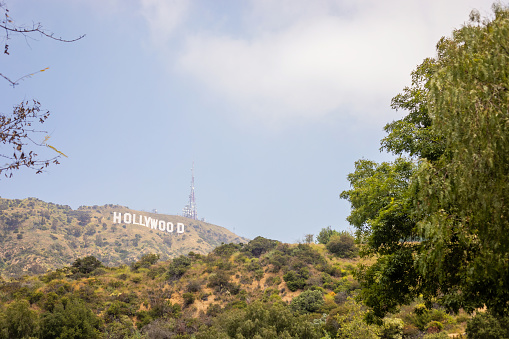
{"x":190,"y":210}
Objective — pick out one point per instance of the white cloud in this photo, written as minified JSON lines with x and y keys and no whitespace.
{"x":163,"y":17}
{"x":302,"y":59}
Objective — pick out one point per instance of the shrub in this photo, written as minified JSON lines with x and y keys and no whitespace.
{"x":188,"y":298}
{"x":486,"y":326}
{"x":434,"y":327}
{"x":392,"y":328}
{"x":178,"y":267}
{"x":307,"y":302}
{"x":193,"y":286}
{"x":325,"y":234}
{"x":145,"y":261}
{"x":72,"y":320}
{"x":20,"y":321}
{"x":296,"y":279}
{"x":86,"y":265}
{"x":343,"y":246}
{"x":259,"y":245}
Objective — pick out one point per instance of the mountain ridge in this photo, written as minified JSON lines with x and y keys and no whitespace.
{"x":36,"y":236}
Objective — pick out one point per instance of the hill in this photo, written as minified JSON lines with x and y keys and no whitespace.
{"x":263,"y":289}
{"x":36,"y":236}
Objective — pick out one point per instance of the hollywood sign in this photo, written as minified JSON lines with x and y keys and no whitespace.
{"x":143,"y":220}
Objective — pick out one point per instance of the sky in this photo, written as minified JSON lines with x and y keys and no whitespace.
{"x":273,"y":101}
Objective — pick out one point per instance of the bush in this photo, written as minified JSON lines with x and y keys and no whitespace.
{"x":146,"y":261}
{"x":20,"y":321}
{"x":325,"y":234}
{"x":343,"y":246}
{"x":486,"y":326}
{"x":86,"y":265}
{"x":259,"y":245}
{"x":296,"y":279}
{"x":74,"y":320}
{"x":178,"y":267}
{"x":260,"y":320}
{"x":188,"y":298}
{"x":441,"y":335}
{"x":392,"y":328}
{"x":307,"y":302}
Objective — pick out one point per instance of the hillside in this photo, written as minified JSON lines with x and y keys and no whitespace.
{"x":263,"y":289}
{"x":36,"y":236}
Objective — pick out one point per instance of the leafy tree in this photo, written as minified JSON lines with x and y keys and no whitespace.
{"x":86,"y":265}
{"x":259,"y":245}
{"x":260,"y":320}
{"x":178,"y":267}
{"x":145,"y":261}
{"x":343,"y":245}
{"x":438,"y":221}
{"x":17,"y":129}
{"x":19,"y":321}
{"x":307,"y":301}
{"x":486,"y":326}
{"x":70,"y":320}
{"x":324,"y":236}
{"x":296,"y":279}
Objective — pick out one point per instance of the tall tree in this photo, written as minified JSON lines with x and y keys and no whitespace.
{"x":438,"y":221}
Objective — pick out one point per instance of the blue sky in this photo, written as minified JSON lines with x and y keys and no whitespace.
{"x":274,"y":101}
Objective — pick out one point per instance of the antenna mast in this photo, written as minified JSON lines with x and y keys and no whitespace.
{"x":190,"y":210}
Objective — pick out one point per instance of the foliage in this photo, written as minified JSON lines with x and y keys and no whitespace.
{"x":352,"y":325}
{"x":70,"y":320}
{"x":437,"y":222}
{"x":296,"y":280}
{"x":86,"y":265}
{"x":342,"y":245}
{"x":485,"y":325}
{"x":145,"y":261}
{"x":325,"y":234}
{"x":261,"y":321}
{"x":259,"y":245}
{"x":392,"y":328}
{"x":19,"y":321}
{"x":307,"y":301}
{"x":178,"y":267}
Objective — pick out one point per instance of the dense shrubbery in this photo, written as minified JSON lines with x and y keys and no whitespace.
{"x":244,"y":294}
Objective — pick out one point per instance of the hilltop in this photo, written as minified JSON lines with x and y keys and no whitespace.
{"x":263,"y":289}
{"x":36,"y":236}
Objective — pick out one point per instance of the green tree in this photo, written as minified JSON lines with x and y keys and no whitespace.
{"x":343,"y":245}
{"x":325,"y":234}
{"x":437,"y":222}
{"x":259,"y":321}
{"x":86,"y":265}
{"x":145,"y":261}
{"x":71,"y":319}
{"x":307,"y":301}
{"x":19,"y":321}
{"x":178,"y":267}
{"x":259,"y":245}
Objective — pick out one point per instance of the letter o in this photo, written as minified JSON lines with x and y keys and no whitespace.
{"x":162,"y":225}
{"x":169,"y":227}
{"x":128,"y":218}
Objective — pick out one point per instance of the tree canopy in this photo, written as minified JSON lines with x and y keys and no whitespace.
{"x":437,"y":217}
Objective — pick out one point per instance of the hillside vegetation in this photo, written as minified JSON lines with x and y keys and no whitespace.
{"x":263,"y":289}
{"x":36,"y":236}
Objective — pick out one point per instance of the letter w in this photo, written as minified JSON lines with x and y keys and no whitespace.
{"x":153,"y":223}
